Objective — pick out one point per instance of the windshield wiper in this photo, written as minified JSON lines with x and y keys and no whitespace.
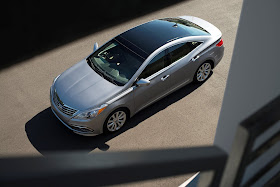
{"x":97,"y":70}
{"x":102,"y":73}
{"x":111,"y":79}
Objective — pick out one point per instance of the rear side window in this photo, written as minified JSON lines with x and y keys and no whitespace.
{"x":179,"y":51}
{"x":155,"y":65}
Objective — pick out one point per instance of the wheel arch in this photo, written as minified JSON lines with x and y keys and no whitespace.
{"x":126,"y":109}
{"x":211,"y":61}
{"x":122,"y":107}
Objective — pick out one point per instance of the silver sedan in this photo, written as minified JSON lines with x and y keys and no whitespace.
{"x":134,"y":70}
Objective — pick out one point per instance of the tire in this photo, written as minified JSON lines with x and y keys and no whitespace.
{"x":115,"y":121}
{"x":203,"y":72}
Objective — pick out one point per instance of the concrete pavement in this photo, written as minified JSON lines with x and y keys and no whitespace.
{"x":185,"y":118}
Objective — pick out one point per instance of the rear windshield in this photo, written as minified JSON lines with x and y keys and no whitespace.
{"x":190,"y":27}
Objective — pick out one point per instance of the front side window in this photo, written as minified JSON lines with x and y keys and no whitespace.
{"x":155,"y":65}
{"x":115,"y":62}
{"x":179,"y":51}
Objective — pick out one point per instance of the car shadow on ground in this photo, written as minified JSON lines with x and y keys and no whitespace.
{"x":48,"y":135}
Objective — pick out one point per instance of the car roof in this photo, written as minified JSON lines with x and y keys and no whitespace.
{"x":146,"y":38}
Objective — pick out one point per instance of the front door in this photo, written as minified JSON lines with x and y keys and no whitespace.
{"x":159,"y":82}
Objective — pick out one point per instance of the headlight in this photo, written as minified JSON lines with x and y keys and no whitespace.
{"x":91,"y":113}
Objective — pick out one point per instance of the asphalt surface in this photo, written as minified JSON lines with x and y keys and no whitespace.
{"x":186,"y":118}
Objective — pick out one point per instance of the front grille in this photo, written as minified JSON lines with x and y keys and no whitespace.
{"x":63,"y":107}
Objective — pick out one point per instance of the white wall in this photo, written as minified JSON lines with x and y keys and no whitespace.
{"x":254,"y":78}
{"x":254,"y":75}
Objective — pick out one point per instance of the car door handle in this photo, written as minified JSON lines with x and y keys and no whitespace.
{"x":195,"y":58}
{"x":164,"y":77}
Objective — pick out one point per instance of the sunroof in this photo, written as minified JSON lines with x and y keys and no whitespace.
{"x":151,"y":35}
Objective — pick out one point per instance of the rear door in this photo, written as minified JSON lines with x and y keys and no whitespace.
{"x":181,"y":63}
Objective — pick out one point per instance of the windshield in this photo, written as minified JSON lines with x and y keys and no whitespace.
{"x":115,"y":62}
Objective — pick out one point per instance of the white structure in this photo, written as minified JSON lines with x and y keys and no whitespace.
{"x":253,"y":80}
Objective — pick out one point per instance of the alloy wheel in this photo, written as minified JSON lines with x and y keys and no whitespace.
{"x":203,"y":72}
{"x":116,"y":121}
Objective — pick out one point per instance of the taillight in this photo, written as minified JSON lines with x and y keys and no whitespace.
{"x":220,"y":43}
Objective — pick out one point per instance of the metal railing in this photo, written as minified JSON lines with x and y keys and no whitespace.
{"x":123,"y":167}
{"x":111,"y":168}
{"x":245,"y":152}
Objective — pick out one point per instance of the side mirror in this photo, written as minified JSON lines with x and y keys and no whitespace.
{"x":142,"y":82}
{"x":95,"y":46}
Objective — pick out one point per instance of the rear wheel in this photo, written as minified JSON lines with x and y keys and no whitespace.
{"x":115,"y":121}
{"x":203,"y":72}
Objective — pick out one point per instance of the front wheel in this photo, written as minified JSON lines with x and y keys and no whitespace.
{"x":203,"y":72}
{"x":115,"y":121}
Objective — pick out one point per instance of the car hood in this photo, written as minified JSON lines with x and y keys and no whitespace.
{"x":82,"y":88}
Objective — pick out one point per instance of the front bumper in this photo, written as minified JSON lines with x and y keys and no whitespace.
{"x":75,"y":129}
{"x":80,"y":127}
